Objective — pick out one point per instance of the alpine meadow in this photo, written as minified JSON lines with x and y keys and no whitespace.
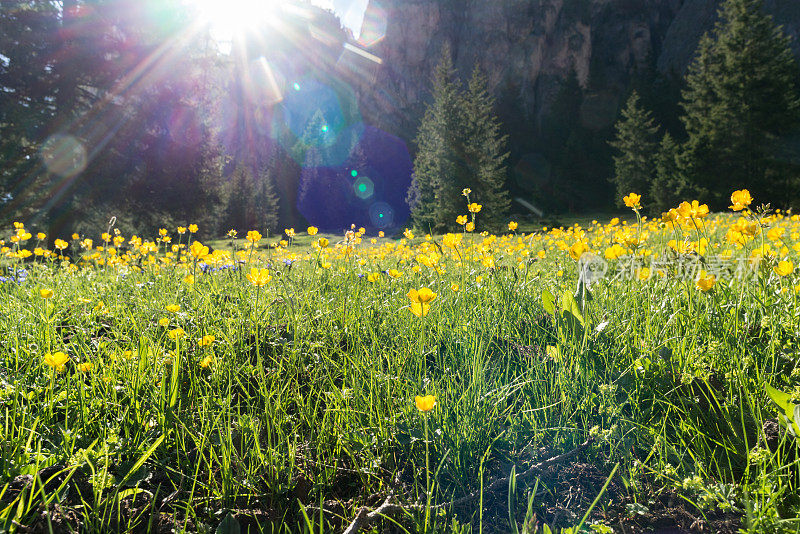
{"x":400,"y":266}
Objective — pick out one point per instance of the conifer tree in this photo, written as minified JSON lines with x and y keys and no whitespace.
{"x":434,"y":196}
{"x":669,"y":187}
{"x":485,"y":153}
{"x":636,"y":142}
{"x":741,"y":97}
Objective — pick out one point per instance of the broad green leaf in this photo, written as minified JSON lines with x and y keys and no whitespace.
{"x":569,"y":304}
{"x":229,"y":525}
{"x":781,"y":399}
{"x":796,"y":419}
{"x":548,"y":302}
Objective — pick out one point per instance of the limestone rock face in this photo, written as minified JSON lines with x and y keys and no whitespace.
{"x":527,"y":47}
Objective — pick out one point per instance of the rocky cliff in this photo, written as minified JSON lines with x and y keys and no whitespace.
{"x":527,"y":47}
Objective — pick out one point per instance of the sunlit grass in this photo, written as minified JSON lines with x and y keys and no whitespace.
{"x":146,"y":386}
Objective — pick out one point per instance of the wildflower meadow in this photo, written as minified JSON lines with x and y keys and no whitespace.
{"x":572,"y":379}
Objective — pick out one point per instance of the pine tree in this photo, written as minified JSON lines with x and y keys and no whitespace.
{"x":485,"y":153}
{"x":434,"y":196}
{"x":636,"y":142}
{"x":28,"y":45}
{"x":741,"y":96}
{"x":561,"y":144}
{"x":669,"y":187}
{"x":265,"y":202}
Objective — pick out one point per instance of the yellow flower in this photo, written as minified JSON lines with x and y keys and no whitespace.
{"x":323,"y":242}
{"x":173,"y":308}
{"x":461,"y":219}
{"x":181,"y":230}
{"x":419,"y":309}
{"x":695,"y":210}
{"x":454,"y":287}
{"x":408,"y":233}
{"x":205,"y":340}
{"x":420,"y":301}
{"x":469,"y":227}
{"x":56,"y":360}
{"x":740,"y":200}
{"x":162,"y":231}
{"x":193,"y":228}
{"x":373,"y":277}
{"x":669,"y":216}
{"x":163,"y":322}
{"x":633,"y":201}
{"x":46,"y":293}
{"x":466,"y":191}
{"x":380,"y":234}
{"x":60,"y":244}
{"x":705,"y":281}
{"x":206,"y":362}
{"x":452,"y":240}
{"x":253,"y":236}
{"x":75,"y":237}
{"x":512,"y":226}
{"x":188,"y":279}
{"x":394,"y":273}
{"x":198,"y":250}
{"x":474,"y":207}
{"x":289,"y":232}
{"x":85,"y":367}
{"x":176,"y":333}
{"x":643,"y":273}
{"x":40,"y":236}
{"x":423,"y":295}
{"x":577,"y":250}
{"x":312,"y":230}
{"x":259,"y":277}
{"x":232,"y":233}
{"x":426,"y":403}
{"x":784,"y":268}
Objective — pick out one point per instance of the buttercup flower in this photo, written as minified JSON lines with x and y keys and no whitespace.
{"x":784,"y":268}
{"x":740,"y":200}
{"x":56,"y":360}
{"x":633,"y":201}
{"x":177,"y":333}
{"x":259,"y":277}
{"x":205,"y":340}
{"x":312,"y":230}
{"x":426,"y":403}
{"x":46,"y":293}
{"x":705,"y":281}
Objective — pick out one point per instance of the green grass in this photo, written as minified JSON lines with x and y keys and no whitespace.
{"x":308,"y":403}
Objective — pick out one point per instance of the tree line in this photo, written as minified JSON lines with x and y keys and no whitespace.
{"x":122,"y":108}
{"x":738,"y":111}
{"x":740,"y":116}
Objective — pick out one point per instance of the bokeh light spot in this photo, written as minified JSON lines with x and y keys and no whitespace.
{"x":64,"y":155}
{"x":296,"y":86}
{"x":381,"y":215}
{"x":364,"y":187}
{"x":353,"y":173}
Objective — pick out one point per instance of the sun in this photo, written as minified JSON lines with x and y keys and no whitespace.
{"x":232,"y":18}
